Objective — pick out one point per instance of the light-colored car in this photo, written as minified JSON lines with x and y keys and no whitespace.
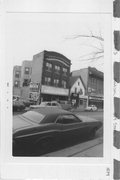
{"x":91,"y":108}
{"x":47,"y":104}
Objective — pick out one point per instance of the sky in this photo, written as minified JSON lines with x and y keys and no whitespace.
{"x":30,"y":33}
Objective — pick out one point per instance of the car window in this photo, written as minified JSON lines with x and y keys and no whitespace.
{"x":33,"y":116}
{"x":54,"y":104}
{"x":48,"y":104}
{"x":67,"y":119}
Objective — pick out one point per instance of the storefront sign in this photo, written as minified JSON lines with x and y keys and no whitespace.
{"x":34,"y":96}
{"x":34,"y":87}
{"x":54,"y":90}
{"x":96,"y":98}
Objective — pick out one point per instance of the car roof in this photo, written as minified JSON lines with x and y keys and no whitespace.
{"x":51,"y":110}
{"x":48,"y":114}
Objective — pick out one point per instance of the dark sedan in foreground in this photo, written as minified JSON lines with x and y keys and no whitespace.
{"x":35,"y":131}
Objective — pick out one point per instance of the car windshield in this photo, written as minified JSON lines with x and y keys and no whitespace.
{"x":33,"y":116}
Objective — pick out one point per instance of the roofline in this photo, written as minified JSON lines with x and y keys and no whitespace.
{"x":80,"y":79}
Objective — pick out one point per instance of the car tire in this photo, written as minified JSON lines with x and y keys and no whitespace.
{"x":43,"y":146}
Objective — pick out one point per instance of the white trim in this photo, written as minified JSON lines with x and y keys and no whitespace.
{"x":54,"y":90}
{"x":53,"y":59}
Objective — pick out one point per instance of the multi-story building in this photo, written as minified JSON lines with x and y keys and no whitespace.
{"x":16,"y":76}
{"x":94,"y":85}
{"x":50,"y":74}
{"x":21,"y":79}
{"x":16,"y":80}
{"x":26,"y":70}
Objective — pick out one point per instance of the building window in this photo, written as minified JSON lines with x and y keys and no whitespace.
{"x":56,"y":82}
{"x":16,"y":84}
{"x":64,"y":84}
{"x":26,"y":82}
{"x":75,"y":90}
{"x":17,"y":74}
{"x":81,"y":102}
{"x":65,"y":71}
{"x":78,"y":83}
{"x":57,"y":68}
{"x":47,"y":80}
{"x":27,"y":70}
{"x":48,"y":66}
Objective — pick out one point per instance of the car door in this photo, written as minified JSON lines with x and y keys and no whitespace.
{"x":71,"y":126}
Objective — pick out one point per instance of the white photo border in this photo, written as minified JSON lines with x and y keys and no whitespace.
{"x":51,"y":168}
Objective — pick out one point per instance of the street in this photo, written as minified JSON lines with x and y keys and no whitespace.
{"x":97,"y":114}
{"x":77,"y":147}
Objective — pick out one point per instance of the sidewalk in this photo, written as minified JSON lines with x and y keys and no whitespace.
{"x":92,"y":148}
{"x":96,"y":151}
{"x":83,"y":110}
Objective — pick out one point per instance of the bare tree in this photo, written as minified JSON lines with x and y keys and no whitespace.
{"x":97,"y":50}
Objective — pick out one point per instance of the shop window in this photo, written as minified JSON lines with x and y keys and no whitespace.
{"x":81,"y":102}
{"x":27,"y":70}
{"x":64,"y":84}
{"x":56,"y":82}
{"x":48,"y":66}
{"x":47,"y":80}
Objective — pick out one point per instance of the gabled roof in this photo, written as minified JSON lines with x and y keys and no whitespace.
{"x":73,"y":79}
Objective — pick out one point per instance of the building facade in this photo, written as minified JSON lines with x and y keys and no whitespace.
{"x":51,"y":72}
{"x":77,"y":92}
{"x":94,"y":85}
{"x":16,"y":80}
{"x":26,"y":70}
{"x":21,"y":79}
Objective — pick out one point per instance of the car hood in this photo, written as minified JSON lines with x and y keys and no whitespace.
{"x":20,"y":122}
{"x":87,"y":119}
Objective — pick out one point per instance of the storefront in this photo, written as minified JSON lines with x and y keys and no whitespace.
{"x":34,"y":93}
{"x":49,"y":93}
{"x":97,"y":101}
{"x":83,"y":101}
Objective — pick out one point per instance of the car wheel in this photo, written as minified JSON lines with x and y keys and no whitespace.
{"x":43,"y":146}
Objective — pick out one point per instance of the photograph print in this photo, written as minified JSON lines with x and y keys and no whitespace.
{"x":58,"y":84}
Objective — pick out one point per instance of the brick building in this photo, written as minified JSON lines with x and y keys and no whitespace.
{"x":16,"y":80}
{"x":94,"y":85}
{"x":50,"y":76}
{"x":21,"y":79}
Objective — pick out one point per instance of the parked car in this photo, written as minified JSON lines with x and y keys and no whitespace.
{"x":35,"y":131}
{"x":91,"y":108}
{"x":27,"y":103}
{"x":66,"y":105}
{"x":47,"y":104}
{"x":18,"y":105}
{"x":16,"y":98}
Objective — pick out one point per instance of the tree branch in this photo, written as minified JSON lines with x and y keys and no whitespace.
{"x":87,"y":36}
